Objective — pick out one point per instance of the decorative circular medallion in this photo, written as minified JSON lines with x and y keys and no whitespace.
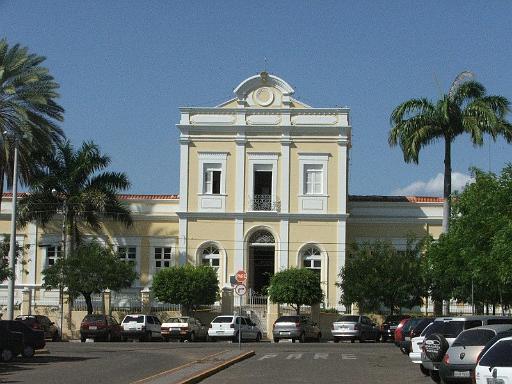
{"x":264,"y":96}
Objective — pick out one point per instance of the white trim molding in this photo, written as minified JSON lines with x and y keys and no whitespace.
{"x":210,"y":202}
{"x":313,"y":203}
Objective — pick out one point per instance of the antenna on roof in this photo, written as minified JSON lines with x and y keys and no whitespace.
{"x":266,"y":63}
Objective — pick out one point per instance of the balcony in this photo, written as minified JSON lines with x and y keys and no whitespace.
{"x":264,"y":203}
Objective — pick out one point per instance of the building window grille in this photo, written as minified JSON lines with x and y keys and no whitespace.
{"x":162,"y":257}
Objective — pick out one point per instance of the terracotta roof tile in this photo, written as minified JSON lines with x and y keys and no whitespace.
{"x":396,"y":199}
{"x":122,"y":196}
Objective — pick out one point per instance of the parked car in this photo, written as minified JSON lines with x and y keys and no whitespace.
{"x":388,"y":327}
{"x":495,"y":366}
{"x":184,"y":328}
{"x":33,"y":339}
{"x":355,"y":327}
{"x":417,"y":349}
{"x":300,"y":328}
{"x":404,"y":340}
{"x":443,"y":332}
{"x":97,"y":326}
{"x":43,"y":323}
{"x":142,"y":327}
{"x":227,"y":327}
{"x":460,"y":360}
{"x":11,"y":344}
{"x":398,"y":336}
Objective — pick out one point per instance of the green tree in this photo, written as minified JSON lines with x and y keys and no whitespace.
{"x":376,"y":274}
{"x":416,"y":123}
{"x":90,"y":268}
{"x":296,"y":286}
{"x":72,"y":183}
{"x":5,"y":271}
{"x":28,"y":111}
{"x":474,"y":255}
{"x":187,"y":285}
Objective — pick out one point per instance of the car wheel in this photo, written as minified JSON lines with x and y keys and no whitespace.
{"x":384,"y":339}
{"x":56,"y":336}
{"x":276,"y":340}
{"x":83,"y":339}
{"x":124,"y":338}
{"x":192,"y":337}
{"x":235,"y":338}
{"x":108,"y":337}
{"x":7,"y":355}
{"x":424,"y":370}
{"x":258,"y":337}
{"x":318,"y":337}
{"x":377,"y":338}
{"x":336,"y":339}
{"x":434,"y":375}
{"x":302,"y":338}
{"x":166,"y":339}
{"x":293,"y":340}
{"x":28,"y":351}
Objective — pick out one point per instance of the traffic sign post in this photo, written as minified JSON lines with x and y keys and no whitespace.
{"x":240,"y":290}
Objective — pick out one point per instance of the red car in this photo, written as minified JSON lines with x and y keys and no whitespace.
{"x":399,"y":331}
{"x":98,"y":326}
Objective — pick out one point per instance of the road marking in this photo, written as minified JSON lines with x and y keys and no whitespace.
{"x":316,"y":356}
{"x":295,"y":356}
{"x":268,"y":356}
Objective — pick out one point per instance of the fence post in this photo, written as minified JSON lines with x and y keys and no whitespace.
{"x":145,"y":300}
{"x":67,"y":325}
{"x":26,"y":308}
{"x":226,"y":304}
{"x":273,"y":311}
{"x":106,"y":302}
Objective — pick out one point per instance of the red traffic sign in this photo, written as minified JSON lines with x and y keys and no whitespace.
{"x":240,"y":289}
{"x":241,"y":276}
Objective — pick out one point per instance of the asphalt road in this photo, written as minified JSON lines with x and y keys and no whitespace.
{"x":112,"y":363}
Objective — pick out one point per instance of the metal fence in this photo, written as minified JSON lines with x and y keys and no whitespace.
{"x":126,"y":301}
{"x":79,"y":304}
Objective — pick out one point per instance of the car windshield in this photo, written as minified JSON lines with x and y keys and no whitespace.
{"x":446,"y":328}
{"x":474,"y":337}
{"x":177,"y":320}
{"x":352,"y":319}
{"x":133,"y":319}
{"x":288,"y":319}
{"x":223,"y":319}
{"x":499,"y":355}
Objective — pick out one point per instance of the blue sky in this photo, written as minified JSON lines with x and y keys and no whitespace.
{"x":125,"y":67}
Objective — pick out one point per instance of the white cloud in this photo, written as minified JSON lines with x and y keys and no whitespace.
{"x":434,"y":186}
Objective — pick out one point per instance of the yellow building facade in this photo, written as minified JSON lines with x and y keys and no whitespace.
{"x":263,"y":187}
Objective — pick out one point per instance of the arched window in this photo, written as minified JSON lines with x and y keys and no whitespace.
{"x":312,"y":258}
{"x":211,"y":256}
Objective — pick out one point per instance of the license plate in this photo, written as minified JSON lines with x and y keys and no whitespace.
{"x":461,"y":373}
{"x":492,"y":380}
{"x":93,"y":327}
{"x":220,"y":331}
{"x":284,"y":333}
{"x":175,"y":329}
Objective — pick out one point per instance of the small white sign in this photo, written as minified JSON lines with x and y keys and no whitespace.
{"x":240,"y":289}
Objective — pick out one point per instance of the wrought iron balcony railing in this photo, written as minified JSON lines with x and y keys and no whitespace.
{"x":263,"y":203}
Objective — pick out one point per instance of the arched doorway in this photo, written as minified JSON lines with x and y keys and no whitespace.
{"x":261,"y":260}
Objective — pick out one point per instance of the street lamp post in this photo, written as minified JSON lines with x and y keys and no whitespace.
{"x":64,"y":253}
{"x":12,"y":244}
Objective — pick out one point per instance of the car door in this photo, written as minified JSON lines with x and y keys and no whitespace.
{"x":157,"y":326}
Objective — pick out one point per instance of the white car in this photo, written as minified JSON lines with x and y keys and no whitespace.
{"x":416,"y":345}
{"x":142,"y":327}
{"x":495,"y":366}
{"x":228,"y":327}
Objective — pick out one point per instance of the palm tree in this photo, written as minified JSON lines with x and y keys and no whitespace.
{"x":72,"y":184}
{"x":417,"y":123}
{"x":28,"y":112}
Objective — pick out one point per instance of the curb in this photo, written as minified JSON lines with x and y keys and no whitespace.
{"x":210,"y":372}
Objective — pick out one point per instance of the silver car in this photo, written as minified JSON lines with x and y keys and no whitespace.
{"x":460,"y":360}
{"x":296,"y":328}
{"x":354,"y":327}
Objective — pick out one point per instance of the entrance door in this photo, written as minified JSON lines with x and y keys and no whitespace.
{"x":261,"y":267}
